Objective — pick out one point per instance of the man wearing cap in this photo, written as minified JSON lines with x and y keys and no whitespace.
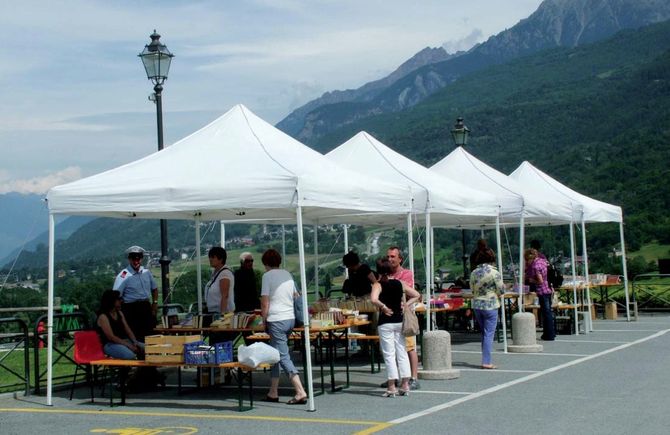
{"x":139,"y":292}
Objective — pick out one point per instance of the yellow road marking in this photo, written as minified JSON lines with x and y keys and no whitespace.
{"x":196,"y":416}
{"x":374,"y":429}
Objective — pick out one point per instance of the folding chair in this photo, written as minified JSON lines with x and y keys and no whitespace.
{"x":87,"y":348}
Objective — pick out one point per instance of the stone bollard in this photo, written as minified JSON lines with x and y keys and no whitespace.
{"x":436,"y":354}
{"x":523,"y":334}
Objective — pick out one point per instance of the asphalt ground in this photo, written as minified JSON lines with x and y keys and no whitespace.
{"x":614,"y":380}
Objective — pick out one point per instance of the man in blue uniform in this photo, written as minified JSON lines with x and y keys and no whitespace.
{"x":139,"y":293}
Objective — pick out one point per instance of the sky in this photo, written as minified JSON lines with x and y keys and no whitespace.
{"x":75,"y":94}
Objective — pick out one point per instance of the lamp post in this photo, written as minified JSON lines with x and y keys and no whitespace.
{"x":460,"y":135}
{"x":156,"y":59}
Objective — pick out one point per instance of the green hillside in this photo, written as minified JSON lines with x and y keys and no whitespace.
{"x":595,"y":117}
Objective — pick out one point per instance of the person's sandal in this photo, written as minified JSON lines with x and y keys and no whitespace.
{"x":390,"y":393}
{"x":295,"y":401}
{"x":404,"y":392}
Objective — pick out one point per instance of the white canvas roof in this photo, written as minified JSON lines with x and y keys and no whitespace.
{"x":450,"y":203}
{"x":513,"y":196}
{"x":237,"y":168}
{"x":594,"y":210}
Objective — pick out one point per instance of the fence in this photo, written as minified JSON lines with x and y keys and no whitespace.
{"x":64,"y":325}
{"x":13,"y":341}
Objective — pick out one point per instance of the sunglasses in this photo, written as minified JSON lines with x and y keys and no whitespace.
{"x":248,"y":261}
{"x":136,"y":256}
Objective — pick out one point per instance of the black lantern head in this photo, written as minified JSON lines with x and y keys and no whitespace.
{"x":460,"y":133}
{"x":156,"y":59}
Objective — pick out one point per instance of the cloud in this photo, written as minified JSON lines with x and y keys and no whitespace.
{"x":466,"y":43}
{"x":38,"y":185}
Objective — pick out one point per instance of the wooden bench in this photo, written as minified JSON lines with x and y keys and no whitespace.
{"x":240,"y":371}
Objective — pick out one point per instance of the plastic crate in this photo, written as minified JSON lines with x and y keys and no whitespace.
{"x":223,"y":352}
{"x":197,"y":353}
{"x":201,"y":353}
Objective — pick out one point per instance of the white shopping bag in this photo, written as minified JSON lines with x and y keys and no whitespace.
{"x":257,"y":353}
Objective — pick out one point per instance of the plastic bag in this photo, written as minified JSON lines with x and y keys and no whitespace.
{"x":257,"y":353}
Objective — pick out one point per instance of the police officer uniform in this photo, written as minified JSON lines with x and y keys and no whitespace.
{"x":136,"y":288}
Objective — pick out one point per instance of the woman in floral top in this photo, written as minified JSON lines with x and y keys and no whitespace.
{"x":486,"y":283}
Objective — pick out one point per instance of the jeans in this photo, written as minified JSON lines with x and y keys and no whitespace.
{"x":121,"y":351}
{"x":488,"y":321}
{"x":548,"y":332}
{"x":279,"y":332}
{"x":394,"y":351}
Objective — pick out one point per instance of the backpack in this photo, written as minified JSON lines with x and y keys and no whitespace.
{"x":554,"y":276}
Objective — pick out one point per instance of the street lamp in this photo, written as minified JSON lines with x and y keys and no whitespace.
{"x":156,"y":59}
{"x":460,"y":135}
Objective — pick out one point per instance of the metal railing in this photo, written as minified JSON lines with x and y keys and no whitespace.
{"x":13,"y":341}
{"x":64,"y":324}
{"x":651,"y":291}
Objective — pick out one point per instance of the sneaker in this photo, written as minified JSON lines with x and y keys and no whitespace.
{"x":414,"y":384}
{"x":385,"y":384}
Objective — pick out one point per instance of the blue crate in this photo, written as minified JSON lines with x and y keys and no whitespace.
{"x":223,"y":352}
{"x":197,"y":352}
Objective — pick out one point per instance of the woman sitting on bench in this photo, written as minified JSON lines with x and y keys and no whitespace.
{"x":117,"y":337}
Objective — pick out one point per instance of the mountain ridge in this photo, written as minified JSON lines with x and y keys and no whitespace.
{"x":554,"y":23}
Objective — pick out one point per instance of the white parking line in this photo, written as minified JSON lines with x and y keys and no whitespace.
{"x":530,"y":377}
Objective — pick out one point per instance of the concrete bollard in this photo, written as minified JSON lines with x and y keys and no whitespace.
{"x":437,"y":356}
{"x":523,"y":334}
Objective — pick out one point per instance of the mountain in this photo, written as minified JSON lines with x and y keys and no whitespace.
{"x":21,"y":219}
{"x":295,"y":121}
{"x":97,"y":240}
{"x":556,"y":23}
{"x":63,"y":230}
{"x":596,"y":117}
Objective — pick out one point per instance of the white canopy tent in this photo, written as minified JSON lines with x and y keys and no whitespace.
{"x":237,"y":168}
{"x":521,"y":203}
{"x":590,"y":211}
{"x":536,"y":208}
{"x":441,"y":202}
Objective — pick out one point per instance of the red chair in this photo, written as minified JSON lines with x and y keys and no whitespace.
{"x":87,"y":348}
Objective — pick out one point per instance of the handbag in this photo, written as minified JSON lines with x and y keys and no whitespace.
{"x":410,"y":323}
{"x":298,"y":308}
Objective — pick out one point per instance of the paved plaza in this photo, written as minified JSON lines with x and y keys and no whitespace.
{"x":612,"y":381}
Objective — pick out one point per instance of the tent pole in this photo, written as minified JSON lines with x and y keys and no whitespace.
{"x":345,"y":228}
{"x":303,"y":291}
{"x":432,"y":261}
{"x":223,"y":235}
{"x":198,"y":260}
{"x":50,"y":309}
{"x":522,"y":264}
{"x":587,"y":322}
{"x":316,"y":261}
{"x":574,"y":275}
{"x":410,"y":243}
{"x":283,"y":246}
{"x":625,"y":270}
{"x":427,"y":265}
{"x":500,"y":265}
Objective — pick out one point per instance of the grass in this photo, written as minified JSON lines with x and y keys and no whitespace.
{"x":14,"y":361}
{"x":652,"y":252}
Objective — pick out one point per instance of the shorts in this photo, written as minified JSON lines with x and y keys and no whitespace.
{"x":410,"y":343}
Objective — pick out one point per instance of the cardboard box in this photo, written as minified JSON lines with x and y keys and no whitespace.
{"x":611,"y":311}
